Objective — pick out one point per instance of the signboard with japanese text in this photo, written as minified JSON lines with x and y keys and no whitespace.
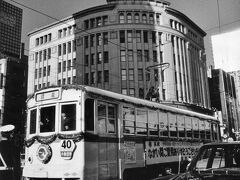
{"x":169,"y":151}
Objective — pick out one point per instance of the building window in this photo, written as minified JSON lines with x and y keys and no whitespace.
{"x":147,"y":76}
{"x":86,"y":60}
{"x":74,"y":63}
{"x":59,"y":67}
{"x":44,"y":54}
{"x":74,"y":45}
{"x":64,"y":49}
{"x":92,"y":23}
{"x":121,"y":18}
{"x":131,"y":92}
{"x":105,"y":38}
{"x":48,"y":70}
{"x":123,"y":55}
{"x":144,"y":18}
{"x":64,"y":66}
{"x":154,"y":56}
{"x":92,"y":59}
{"x":139,"y":55}
{"x":146,"y":55}
{"x":131,"y":74}
{"x":36,"y":72}
{"x":49,"y":53}
{"x":129,"y":36}
{"x":40,"y":72}
{"x":145,"y":36}
{"x":99,"y":76}
{"x":140,"y":74}
{"x":99,"y":21}
{"x":44,"y":71}
{"x":130,"y":55}
{"x":151,"y":19}
{"x":105,"y":20}
{"x":59,"y":33}
{"x":136,"y":18}
{"x":124,"y":74}
{"x":122,"y":36}
{"x":69,"y":65}
{"x":49,"y":37}
{"x":92,"y":77}
{"x":92,"y":40}
{"x":158,"y":18}
{"x":138,"y":36}
{"x":36,"y":57}
{"x":86,"y":79}
{"x":105,"y":57}
{"x":129,"y":18}
{"x":86,"y":41}
{"x":37,"y":42}
{"x":124,"y":91}
{"x":106,"y":76}
{"x":99,"y":40}
{"x":40,"y":56}
{"x":86,"y":24}
{"x":99,"y":58}
{"x":154,"y":37}
{"x":69,"y":47}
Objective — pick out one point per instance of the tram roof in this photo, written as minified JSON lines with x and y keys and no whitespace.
{"x":143,"y":102}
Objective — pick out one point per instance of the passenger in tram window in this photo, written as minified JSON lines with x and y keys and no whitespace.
{"x":46,"y":125}
{"x":67,"y":124}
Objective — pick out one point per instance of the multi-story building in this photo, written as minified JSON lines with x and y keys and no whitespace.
{"x":223,"y":98}
{"x":126,"y":46}
{"x":10,"y":29}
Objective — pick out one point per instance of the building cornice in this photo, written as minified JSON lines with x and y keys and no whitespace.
{"x":94,"y":10}
{"x":186,"y":19}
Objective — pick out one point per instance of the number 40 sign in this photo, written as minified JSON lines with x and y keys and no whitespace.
{"x":67,"y":148}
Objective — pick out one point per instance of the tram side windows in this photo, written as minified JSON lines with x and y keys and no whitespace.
{"x":128,"y":120}
{"x":68,"y":117}
{"x":47,"y":119}
{"x":172,"y":125}
{"x":208,"y":130}
{"x":33,"y":121}
{"x":188,"y":124}
{"x":181,"y":126}
{"x":106,"y":118}
{"x":163,"y":124}
{"x":141,"y":122}
{"x":195,"y":128}
{"x":89,"y":115}
{"x":202,"y":129}
{"x":153,"y":126}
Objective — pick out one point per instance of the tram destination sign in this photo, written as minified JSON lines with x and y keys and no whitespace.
{"x":169,"y":151}
{"x":47,"y":95}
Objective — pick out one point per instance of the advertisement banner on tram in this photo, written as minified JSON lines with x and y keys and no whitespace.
{"x":169,"y":151}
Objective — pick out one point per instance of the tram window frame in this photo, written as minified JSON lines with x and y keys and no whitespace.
{"x":47,"y":126}
{"x":153,"y":123}
{"x":141,"y":122}
{"x":89,"y":114}
{"x":189,"y":129}
{"x":163,"y":127}
{"x":208,"y":133}
{"x":34,"y":125}
{"x":181,"y":126}
{"x":71,"y":117}
{"x":196,"y":131}
{"x":202,"y":129}
{"x":173,"y":131}
{"x":107,"y":127}
{"x":128,"y":115}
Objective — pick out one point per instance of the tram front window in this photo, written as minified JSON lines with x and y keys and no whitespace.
{"x":47,"y":119}
{"x":68,"y":117}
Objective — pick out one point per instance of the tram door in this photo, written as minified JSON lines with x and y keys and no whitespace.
{"x":108,"y":143}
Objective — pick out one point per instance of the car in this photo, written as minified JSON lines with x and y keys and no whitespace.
{"x":214,"y":161}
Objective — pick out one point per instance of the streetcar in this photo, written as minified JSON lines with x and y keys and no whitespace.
{"x":78,"y":132}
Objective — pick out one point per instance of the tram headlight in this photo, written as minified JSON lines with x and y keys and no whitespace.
{"x":44,"y":153}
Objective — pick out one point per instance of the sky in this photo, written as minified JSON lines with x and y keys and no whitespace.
{"x":213,"y":16}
